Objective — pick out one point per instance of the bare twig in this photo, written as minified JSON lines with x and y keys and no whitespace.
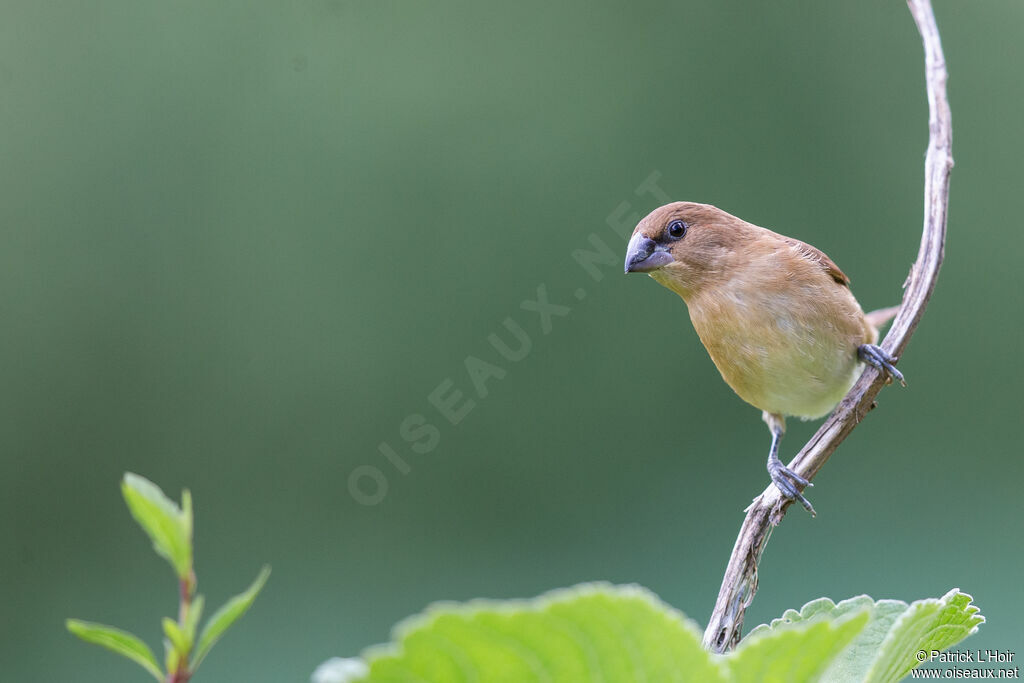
{"x":740,"y":581}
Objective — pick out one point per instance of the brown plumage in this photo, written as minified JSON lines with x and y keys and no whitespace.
{"x":776,"y":315}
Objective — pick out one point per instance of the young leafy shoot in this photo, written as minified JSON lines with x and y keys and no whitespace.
{"x":169,"y":527}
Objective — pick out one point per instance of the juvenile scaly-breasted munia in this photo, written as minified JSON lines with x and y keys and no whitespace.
{"x":776,"y":315}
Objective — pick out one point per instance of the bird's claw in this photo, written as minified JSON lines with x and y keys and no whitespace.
{"x":877,"y":357}
{"x":786,"y":481}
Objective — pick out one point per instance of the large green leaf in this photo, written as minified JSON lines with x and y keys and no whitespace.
{"x":116,"y":640}
{"x":885,"y":650}
{"x":593,"y":632}
{"x":228,"y":614}
{"x":607,"y":634}
{"x":168,"y":526}
{"x":932,"y":624}
{"x":798,"y":653}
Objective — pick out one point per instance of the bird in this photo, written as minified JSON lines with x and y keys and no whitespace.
{"x":775,"y":314}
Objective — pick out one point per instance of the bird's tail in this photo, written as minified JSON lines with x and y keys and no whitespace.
{"x":882,"y":316}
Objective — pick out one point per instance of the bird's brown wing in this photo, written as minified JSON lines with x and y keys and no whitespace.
{"x":819,"y":257}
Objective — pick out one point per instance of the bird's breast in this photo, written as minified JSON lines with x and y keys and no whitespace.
{"x":790,"y":350}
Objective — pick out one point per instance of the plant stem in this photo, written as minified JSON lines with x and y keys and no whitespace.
{"x":186,"y":591}
{"x":740,"y":581}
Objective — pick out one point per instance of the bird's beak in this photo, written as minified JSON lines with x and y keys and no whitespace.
{"x":644,"y":255}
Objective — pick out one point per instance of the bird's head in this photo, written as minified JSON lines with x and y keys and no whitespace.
{"x":686,"y":246}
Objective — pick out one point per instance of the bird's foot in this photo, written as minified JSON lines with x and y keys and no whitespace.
{"x":875,"y":356}
{"x":787,"y":481}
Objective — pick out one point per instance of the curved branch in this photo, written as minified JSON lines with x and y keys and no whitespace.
{"x":740,"y":581}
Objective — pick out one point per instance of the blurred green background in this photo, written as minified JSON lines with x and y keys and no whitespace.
{"x":242,"y":241}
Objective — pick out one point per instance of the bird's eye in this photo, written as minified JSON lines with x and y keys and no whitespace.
{"x":676,"y":229}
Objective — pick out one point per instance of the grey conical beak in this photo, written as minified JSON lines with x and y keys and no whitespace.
{"x":644,"y":255}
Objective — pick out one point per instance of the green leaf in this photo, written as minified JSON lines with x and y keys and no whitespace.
{"x":195,"y":613}
{"x":178,"y":639}
{"x":172,"y":660}
{"x":116,"y":640}
{"x":227,"y":615}
{"x":599,"y":632}
{"x":168,"y":526}
{"x":886,"y":648}
{"x":933,"y":624}
{"x":592,"y":632}
{"x":796,"y":652}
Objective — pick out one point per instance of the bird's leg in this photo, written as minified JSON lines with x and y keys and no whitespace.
{"x":875,"y":356}
{"x":785,"y":479}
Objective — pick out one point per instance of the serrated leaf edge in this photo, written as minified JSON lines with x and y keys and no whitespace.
{"x":537,"y":604}
{"x":948,"y":600}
